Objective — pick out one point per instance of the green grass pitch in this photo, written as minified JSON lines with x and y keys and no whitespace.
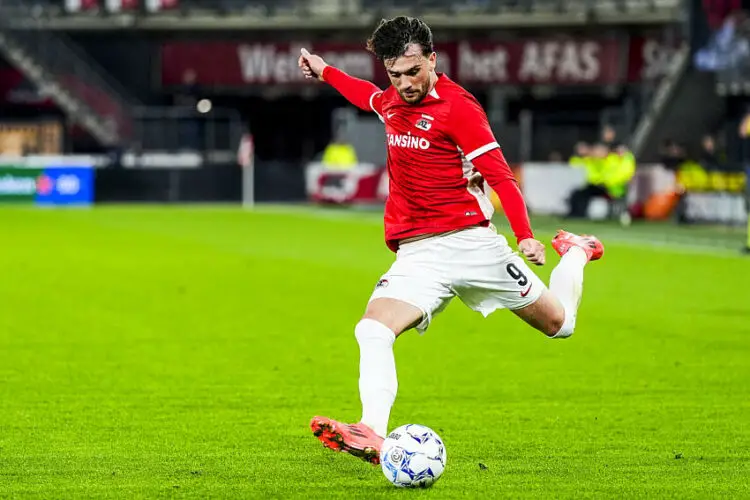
{"x":151,"y":352}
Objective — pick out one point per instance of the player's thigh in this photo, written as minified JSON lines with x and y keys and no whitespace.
{"x":497,"y":278}
{"x":397,"y":315}
{"x":546,"y":314}
{"x":409,"y":295}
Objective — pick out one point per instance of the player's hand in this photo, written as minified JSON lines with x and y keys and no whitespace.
{"x":312,"y":66}
{"x":476,"y":180}
{"x":533,"y":250}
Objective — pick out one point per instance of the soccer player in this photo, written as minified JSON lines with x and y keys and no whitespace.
{"x":437,"y":221}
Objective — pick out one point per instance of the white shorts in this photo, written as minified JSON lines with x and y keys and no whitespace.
{"x":475,"y":264}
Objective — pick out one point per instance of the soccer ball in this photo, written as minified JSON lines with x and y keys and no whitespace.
{"x":413,"y":456}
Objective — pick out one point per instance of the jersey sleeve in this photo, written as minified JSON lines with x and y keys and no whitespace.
{"x":470,"y":129}
{"x":363,"y":94}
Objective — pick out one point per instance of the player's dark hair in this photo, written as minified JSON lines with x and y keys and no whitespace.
{"x":392,"y":37}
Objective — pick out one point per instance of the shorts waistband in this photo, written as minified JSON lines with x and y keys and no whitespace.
{"x":425,"y":236}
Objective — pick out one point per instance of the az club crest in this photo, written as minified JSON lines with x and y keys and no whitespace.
{"x":424,"y":124}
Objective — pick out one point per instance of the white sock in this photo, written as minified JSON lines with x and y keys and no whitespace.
{"x":377,"y":373}
{"x":566,"y":283}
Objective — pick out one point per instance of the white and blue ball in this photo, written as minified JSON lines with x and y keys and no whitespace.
{"x":413,"y":456}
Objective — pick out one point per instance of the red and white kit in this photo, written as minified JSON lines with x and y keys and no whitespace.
{"x":435,"y":220}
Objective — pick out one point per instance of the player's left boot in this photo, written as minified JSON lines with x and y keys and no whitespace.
{"x":356,"y":439}
{"x":563,"y":241}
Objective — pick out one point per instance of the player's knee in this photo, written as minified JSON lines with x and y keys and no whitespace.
{"x":377,"y":315}
{"x":368,"y":329}
{"x":554,"y":324}
{"x":561,"y":325}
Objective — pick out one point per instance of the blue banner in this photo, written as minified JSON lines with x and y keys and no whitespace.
{"x":65,"y":186}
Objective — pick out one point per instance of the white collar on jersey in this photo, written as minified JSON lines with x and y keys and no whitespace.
{"x":434,"y":93}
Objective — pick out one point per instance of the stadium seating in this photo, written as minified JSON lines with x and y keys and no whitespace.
{"x":329,"y":7}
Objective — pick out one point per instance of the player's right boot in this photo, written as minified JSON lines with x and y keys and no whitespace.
{"x":356,"y":439}
{"x":563,"y":241}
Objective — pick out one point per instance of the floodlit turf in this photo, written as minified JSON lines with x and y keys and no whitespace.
{"x":181,"y":352}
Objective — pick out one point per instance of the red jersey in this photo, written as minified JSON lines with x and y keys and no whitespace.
{"x":432,"y":149}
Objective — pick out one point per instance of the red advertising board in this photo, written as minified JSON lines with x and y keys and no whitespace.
{"x":561,"y":62}
{"x":230,"y":64}
{"x":564,"y":61}
{"x":528,"y":62}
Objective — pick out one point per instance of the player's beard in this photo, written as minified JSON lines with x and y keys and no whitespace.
{"x":415,"y":95}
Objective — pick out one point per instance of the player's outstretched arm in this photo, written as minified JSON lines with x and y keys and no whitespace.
{"x":359,"y":92}
{"x":495,"y":170}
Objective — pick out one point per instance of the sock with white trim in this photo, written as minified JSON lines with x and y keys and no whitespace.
{"x":377,"y":373}
{"x":566,"y":283}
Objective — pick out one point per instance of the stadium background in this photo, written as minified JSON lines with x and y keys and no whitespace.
{"x":121,"y":80}
{"x":142,"y":344}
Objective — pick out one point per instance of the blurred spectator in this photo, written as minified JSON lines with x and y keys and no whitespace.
{"x":609,"y":137}
{"x":555,"y":157}
{"x":246,"y":150}
{"x":744,"y":130}
{"x":339,"y":154}
{"x":582,"y":152}
{"x":709,"y":171}
{"x":727,"y":48}
{"x":709,"y":157}
{"x":609,"y":169}
{"x":188,"y":93}
{"x":672,"y":154}
{"x":622,"y":170}
{"x":591,"y":159}
{"x":744,"y":133}
{"x":190,"y":126}
{"x":714,"y":163}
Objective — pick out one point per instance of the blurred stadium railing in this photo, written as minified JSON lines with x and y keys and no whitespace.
{"x":71,"y":78}
{"x":425,"y":6}
{"x":98,"y":102}
{"x":215,"y":134}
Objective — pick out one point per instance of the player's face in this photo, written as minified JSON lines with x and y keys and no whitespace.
{"x":411,"y":74}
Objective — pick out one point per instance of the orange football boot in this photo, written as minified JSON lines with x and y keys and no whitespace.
{"x":356,"y":439}
{"x":563,"y":241}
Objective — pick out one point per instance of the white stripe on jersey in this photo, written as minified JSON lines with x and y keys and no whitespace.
{"x":482,"y":150}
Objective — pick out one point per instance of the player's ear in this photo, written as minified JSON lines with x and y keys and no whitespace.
{"x":432,"y":60}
